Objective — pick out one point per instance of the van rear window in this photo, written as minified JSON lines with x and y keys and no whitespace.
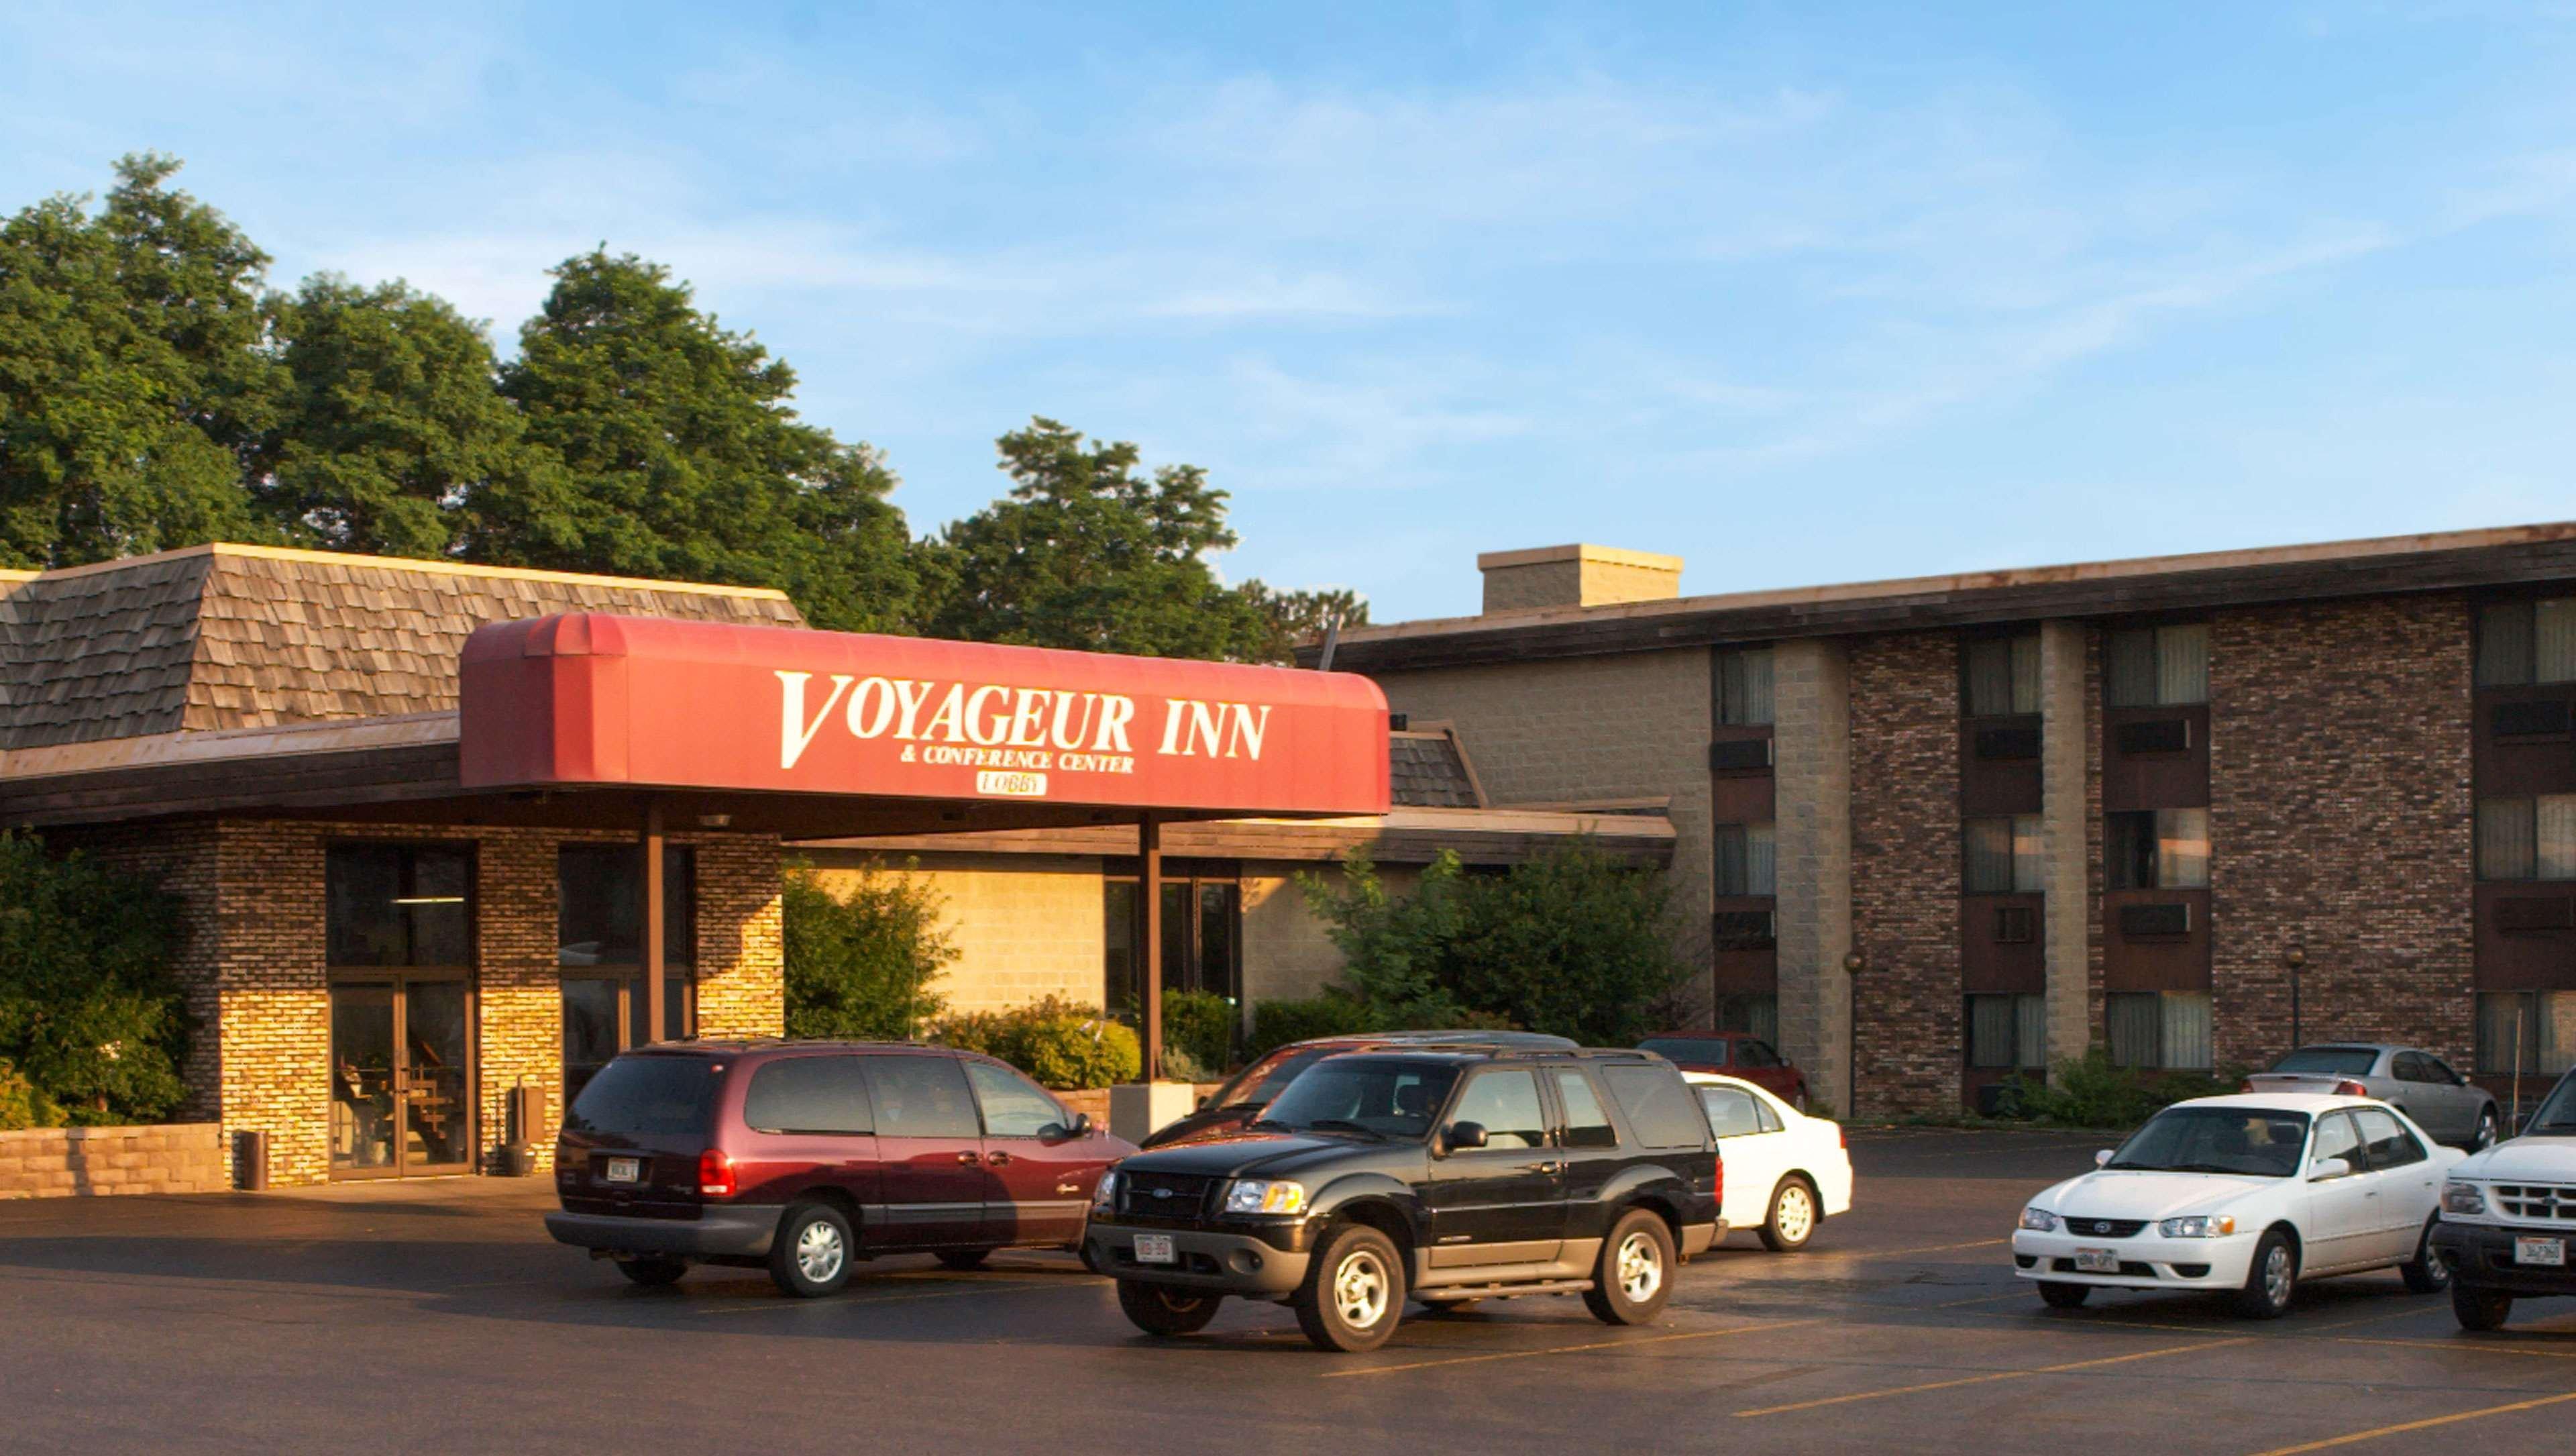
{"x":1659,"y":1106}
{"x":648,"y":1097}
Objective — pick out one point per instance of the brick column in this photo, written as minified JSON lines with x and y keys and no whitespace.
{"x":1811,"y":716}
{"x":2065,"y":841}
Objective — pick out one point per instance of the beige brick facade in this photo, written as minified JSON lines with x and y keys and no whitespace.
{"x":1811,"y":686}
{"x":1025,"y":926}
{"x":57,"y":1162}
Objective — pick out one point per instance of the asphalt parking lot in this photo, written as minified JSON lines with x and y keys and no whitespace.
{"x":436,"y":1316}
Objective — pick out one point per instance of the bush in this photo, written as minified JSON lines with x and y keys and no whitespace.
{"x":22,"y":1106}
{"x":1059,"y":1043}
{"x":1198,"y":1026}
{"x":91,"y":1012}
{"x":860,"y":965}
{"x":2088,"y":1091}
{"x":1335,"y":1013}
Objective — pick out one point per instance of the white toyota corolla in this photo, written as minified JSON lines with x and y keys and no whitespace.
{"x":1784,"y":1172}
{"x":2247,"y":1195}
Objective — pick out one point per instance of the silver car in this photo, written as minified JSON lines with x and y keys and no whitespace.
{"x":2410,"y":1079}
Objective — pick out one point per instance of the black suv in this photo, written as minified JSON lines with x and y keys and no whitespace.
{"x":1446,"y":1175}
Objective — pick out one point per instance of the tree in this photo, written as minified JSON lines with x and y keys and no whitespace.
{"x":134,"y":387}
{"x":392,"y":430}
{"x":682,"y":457}
{"x":1088,"y":553}
{"x":1302,"y":616}
{"x":861,"y":964}
{"x":1395,"y":950}
{"x":90,"y":1006}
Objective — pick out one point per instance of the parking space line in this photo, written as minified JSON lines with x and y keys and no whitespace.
{"x":1989,"y":1377}
{"x":1571,"y":1349}
{"x":2375,"y":1432}
{"x":1901,"y":1253}
{"x":2477,"y":1346}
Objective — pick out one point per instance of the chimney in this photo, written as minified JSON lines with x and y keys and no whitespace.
{"x":1576,"y":576}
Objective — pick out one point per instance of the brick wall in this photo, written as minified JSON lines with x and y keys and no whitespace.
{"x":1811,"y":683}
{"x":56,"y":1162}
{"x":1905,"y":870}
{"x":2340,"y":819}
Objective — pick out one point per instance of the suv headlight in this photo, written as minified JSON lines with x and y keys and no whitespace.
{"x":1104,"y":1194}
{"x":1261,"y":1195}
{"x":2466,"y":1198}
{"x":2039,"y":1219}
{"x":2198,"y":1226}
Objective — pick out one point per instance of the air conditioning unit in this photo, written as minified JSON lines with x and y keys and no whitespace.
{"x":1740,"y":755}
{"x":2532,"y":914}
{"x":2015,"y":925}
{"x":2154,"y":921}
{"x":2540,"y":718}
{"x":2007,"y":743}
{"x":2154,"y":735}
{"x":1744,"y":929}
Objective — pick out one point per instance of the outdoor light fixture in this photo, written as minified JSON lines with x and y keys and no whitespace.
{"x":429,"y":899}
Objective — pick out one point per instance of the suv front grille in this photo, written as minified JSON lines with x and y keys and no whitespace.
{"x":2107,"y":1228}
{"x":2546,"y":1203}
{"x":1174,"y":1195}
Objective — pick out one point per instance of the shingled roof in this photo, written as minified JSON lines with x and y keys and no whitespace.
{"x":1428,"y":769}
{"x":226,"y":636}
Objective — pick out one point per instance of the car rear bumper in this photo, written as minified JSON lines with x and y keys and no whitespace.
{"x":2483,"y":1257}
{"x":1229,"y":1263}
{"x":1698,"y":1238}
{"x":739,"y":1231}
{"x":2147,"y":1262}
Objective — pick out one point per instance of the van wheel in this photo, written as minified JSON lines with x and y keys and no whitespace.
{"x":2270,"y":1280}
{"x":2064,"y":1296}
{"x":1634,"y":1276}
{"x":1792,"y":1220}
{"x":811,"y":1257}
{"x":652,"y":1273}
{"x":964,"y":1259}
{"x":2480,"y":1309}
{"x":2425,"y":1273}
{"x":1353,"y":1294}
{"x":1160,"y":1309}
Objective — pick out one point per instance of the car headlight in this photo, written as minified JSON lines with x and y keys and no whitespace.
{"x":1104,"y":1194}
{"x":1261,"y":1195}
{"x":2463,"y":1198}
{"x":2039,"y":1219}
{"x":2198,"y":1226}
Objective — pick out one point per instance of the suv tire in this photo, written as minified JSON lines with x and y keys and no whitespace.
{"x":2480,"y":1309}
{"x":1795,"y":1211}
{"x":652,"y":1273}
{"x":1633,"y":1277}
{"x":813,"y":1252}
{"x":962,"y":1260}
{"x":1161,"y":1309}
{"x":2270,"y":1280}
{"x":1353,"y":1294}
{"x":2425,"y":1273}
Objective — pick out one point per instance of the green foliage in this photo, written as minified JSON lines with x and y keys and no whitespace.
{"x":1568,"y":942}
{"x":861,"y":964}
{"x":1200,"y":1026}
{"x":1058,"y":1042}
{"x":22,"y":1105}
{"x":90,"y":1007}
{"x":1334,"y":1013}
{"x":2088,"y":1091}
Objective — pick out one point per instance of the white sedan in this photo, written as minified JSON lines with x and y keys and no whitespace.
{"x":2246,"y":1195}
{"x":1785,"y":1172}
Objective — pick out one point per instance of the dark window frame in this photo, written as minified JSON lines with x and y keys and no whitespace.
{"x":467,"y":849}
{"x":1126,"y":1002}
{"x":1732,"y":703}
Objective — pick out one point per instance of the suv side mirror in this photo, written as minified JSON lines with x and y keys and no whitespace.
{"x":1465,"y":1135}
{"x":1204,"y":1100}
{"x":2522,"y":1121}
{"x":1079,"y":1127}
{"x":2101,"y":1157}
{"x":2325,"y":1169}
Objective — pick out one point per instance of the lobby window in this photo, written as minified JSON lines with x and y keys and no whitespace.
{"x":2156,"y":667}
{"x":2158,"y":849}
{"x":2008,"y":1032}
{"x":2003,"y":676}
{"x":1747,"y":860}
{"x":2522,"y":644}
{"x":1756,"y":1014}
{"x":2527,"y":839}
{"x":599,"y":945}
{"x":1202,"y":938}
{"x":2158,"y":1029}
{"x":397,"y":905}
{"x":2002,"y":855}
{"x":2545,"y":1021}
{"x":1744,"y":687}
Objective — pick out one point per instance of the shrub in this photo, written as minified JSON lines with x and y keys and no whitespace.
{"x":860,"y":965}
{"x":1335,"y":1013}
{"x":2088,"y":1091}
{"x":91,"y":1012}
{"x":22,"y":1105}
{"x":1059,"y":1043}
{"x":1199,"y":1027}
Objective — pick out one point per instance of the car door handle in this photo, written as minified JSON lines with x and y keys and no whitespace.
{"x":970,"y":1159}
{"x":998,"y":1159}
{"x":1542,"y":1167}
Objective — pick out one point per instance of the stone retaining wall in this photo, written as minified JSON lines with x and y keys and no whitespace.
{"x":59,"y":1162}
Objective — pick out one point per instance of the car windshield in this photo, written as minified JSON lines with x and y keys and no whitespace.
{"x":2256,"y":1141}
{"x":2343,"y":1061}
{"x":1382,"y":1096}
{"x":2558,"y":1114}
{"x":1257,"y":1085}
{"x":1685,"y":1048}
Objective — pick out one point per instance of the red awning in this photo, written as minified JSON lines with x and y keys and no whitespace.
{"x":597,"y":700}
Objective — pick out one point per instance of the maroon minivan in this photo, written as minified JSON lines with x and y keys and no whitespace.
{"x":803,"y":1156}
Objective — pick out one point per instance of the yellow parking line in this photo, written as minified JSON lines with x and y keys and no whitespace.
{"x":2375,"y":1432}
{"x":1571,"y":1349}
{"x":1989,"y":1377}
{"x":2475,"y":1346}
{"x":1900,"y":1253}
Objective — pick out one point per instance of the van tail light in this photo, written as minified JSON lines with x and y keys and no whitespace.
{"x":1719,"y":1192}
{"x":2350,"y":1088}
{"x":715,"y":1174}
{"x":1842,"y":1139}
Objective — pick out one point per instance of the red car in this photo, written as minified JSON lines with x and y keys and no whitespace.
{"x":803,"y":1157}
{"x":1240,"y":1100}
{"x":1736,"y":1054}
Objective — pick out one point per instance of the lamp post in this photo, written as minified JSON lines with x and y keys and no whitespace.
{"x":2294,"y":956}
{"x":1854,"y":962}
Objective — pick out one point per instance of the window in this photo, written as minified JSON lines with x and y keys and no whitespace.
{"x":1505,"y":1105}
{"x":1754,"y":1013}
{"x":2527,"y":839}
{"x":808,"y":1095}
{"x":1744,"y":687}
{"x":2542,"y":1022}
{"x":2522,"y":644}
{"x":2008,"y":1032}
{"x":397,"y":905}
{"x":2387,"y":1142}
{"x":1586,"y":1124}
{"x":1731,"y":1111}
{"x":2156,"y":667}
{"x":2336,"y":1138}
{"x":599,"y":914}
{"x":1202,"y":937}
{"x":647,"y":1097}
{"x":2158,"y":849}
{"x":2003,"y":676}
{"x":1383,"y":1094}
{"x":1747,"y":860}
{"x":921,"y":1096}
{"x":2002,"y":855}
{"x":1013,"y":1105}
{"x":1750,"y":1053}
{"x":2168,"y":1029}
{"x":1659,"y":1106}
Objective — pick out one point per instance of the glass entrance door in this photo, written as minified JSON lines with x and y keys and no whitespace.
{"x":402,"y":1086}
{"x":362,"y":1081}
{"x":437,"y":1095}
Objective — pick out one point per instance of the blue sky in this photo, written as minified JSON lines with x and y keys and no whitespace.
{"x":1803,"y":293}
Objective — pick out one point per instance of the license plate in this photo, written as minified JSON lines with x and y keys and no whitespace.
{"x":2097,"y":1261}
{"x":625,"y":1170}
{"x":2552,"y":1252}
{"x":1153,"y":1248}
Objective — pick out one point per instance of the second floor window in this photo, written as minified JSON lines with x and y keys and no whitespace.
{"x":1746,"y":860}
{"x":2003,"y":676}
{"x":1744,"y":687}
{"x":2003,"y":855}
{"x":2527,"y":839}
{"x":2525,"y":643}
{"x":2159,"y":849}
{"x":2156,"y":667}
